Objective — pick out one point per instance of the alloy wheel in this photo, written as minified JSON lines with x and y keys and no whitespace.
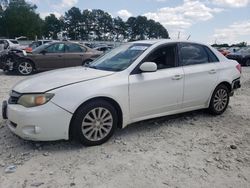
{"x":25,"y":68}
{"x":97,"y":124}
{"x":220,"y":100}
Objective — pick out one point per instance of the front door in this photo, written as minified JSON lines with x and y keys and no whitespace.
{"x":52,"y":58}
{"x":154,"y":94}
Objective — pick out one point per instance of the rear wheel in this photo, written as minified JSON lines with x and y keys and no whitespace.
{"x":94,"y":123}
{"x":219,"y":100}
{"x":25,"y":67}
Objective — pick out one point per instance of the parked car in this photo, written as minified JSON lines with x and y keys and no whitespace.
{"x":224,"y":51}
{"x":242,"y":56}
{"x":10,"y":43}
{"x":133,"y":82}
{"x":52,"y":56}
{"x":36,"y":44}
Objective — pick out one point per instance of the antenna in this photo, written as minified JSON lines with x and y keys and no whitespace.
{"x":188,"y":37}
{"x":179,"y":34}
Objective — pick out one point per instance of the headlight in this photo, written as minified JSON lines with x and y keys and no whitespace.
{"x":32,"y":100}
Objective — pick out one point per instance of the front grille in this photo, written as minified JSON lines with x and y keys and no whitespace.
{"x":14,"y":96}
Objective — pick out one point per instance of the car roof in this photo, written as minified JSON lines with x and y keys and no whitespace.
{"x":165,"y":41}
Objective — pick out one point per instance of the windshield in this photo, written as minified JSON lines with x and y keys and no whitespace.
{"x":120,"y":58}
{"x":39,"y":48}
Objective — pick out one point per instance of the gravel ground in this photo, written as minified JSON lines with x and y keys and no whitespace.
{"x":187,"y":150}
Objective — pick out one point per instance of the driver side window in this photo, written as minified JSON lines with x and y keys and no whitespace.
{"x":164,"y":57}
{"x":56,"y":48}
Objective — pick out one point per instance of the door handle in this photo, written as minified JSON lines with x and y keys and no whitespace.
{"x":213,"y":71}
{"x":59,"y":55}
{"x":177,"y":77}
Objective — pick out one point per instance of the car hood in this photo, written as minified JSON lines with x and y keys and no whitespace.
{"x":59,"y":78}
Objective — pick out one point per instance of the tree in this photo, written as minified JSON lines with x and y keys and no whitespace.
{"x":140,"y":28}
{"x":52,"y":26}
{"x":73,"y":22}
{"x":20,"y":19}
{"x":120,"y":29}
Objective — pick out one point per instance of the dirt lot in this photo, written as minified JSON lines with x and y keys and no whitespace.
{"x":187,"y":150}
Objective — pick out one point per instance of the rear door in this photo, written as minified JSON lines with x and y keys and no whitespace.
{"x":156,"y":93}
{"x":200,"y":72}
{"x":52,"y":58}
{"x":74,"y":55}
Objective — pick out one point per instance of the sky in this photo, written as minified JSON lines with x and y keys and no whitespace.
{"x":208,"y":21}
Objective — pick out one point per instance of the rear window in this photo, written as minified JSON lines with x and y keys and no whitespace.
{"x":212,"y":57}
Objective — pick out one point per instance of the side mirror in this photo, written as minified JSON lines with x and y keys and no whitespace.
{"x":43,"y":52}
{"x":148,"y":67}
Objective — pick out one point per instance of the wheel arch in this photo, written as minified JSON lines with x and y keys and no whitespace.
{"x":23,"y":58}
{"x":226,"y":83}
{"x":108,"y":99}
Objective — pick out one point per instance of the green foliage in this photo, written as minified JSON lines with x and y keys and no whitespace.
{"x":20,"y":19}
{"x":52,"y":26}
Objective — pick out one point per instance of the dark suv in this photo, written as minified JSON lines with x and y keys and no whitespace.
{"x":242,"y":56}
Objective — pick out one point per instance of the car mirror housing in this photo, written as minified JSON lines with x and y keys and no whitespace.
{"x":148,"y":67}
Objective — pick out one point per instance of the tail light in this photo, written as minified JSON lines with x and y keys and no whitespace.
{"x":238,"y":67}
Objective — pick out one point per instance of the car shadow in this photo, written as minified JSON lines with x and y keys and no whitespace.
{"x":132,"y":129}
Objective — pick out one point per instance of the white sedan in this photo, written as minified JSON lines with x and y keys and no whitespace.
{"x":134,"y":82}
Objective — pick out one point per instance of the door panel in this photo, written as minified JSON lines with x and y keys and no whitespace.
{"x":200,"y":74}
{"x":73,"y":59}
{"x":200,"y":80}
{"x":155,"y":93}
{"x":74,"y":55}
{"x":50,"y":61}
{"x":53,"y":57}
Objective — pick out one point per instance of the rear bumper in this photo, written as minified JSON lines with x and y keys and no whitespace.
{"x":235,"y":85}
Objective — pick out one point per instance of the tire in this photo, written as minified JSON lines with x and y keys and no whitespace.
{"x":219,"y":100}
{"x":94,"y":123}
{"x":25,"y":67}
{"x":248,"y":62}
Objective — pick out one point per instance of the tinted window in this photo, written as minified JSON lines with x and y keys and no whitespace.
{"x":164,"y":57}
{"x":192,"y":54}
{"x":56,"y":48}
{"x":211,"y":55}
{"x":74,"y":48}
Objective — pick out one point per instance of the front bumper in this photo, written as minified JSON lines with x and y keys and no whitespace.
{"x":43,"y":123}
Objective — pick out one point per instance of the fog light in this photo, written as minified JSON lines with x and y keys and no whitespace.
{"x":31,"y":130}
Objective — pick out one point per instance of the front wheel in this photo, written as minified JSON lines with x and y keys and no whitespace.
{"x":94,"y":123}
{"x":219,"y":100}
{"x":25,"y":67}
